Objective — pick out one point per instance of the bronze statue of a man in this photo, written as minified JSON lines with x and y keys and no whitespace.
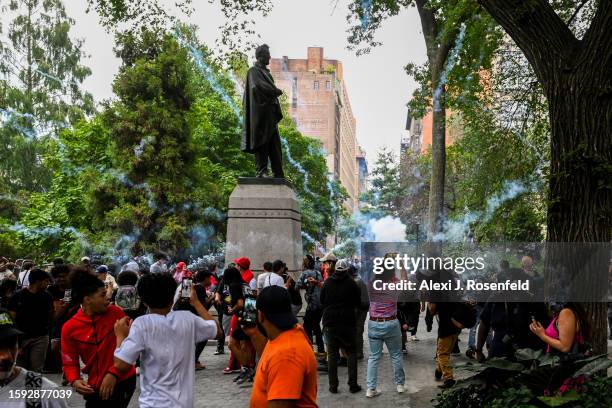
{"x":262,"y":112}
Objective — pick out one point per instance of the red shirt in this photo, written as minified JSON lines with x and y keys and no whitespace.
{"x":92,"y":338}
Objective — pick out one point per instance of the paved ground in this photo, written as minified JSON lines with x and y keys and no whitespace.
{"x":213,"y":389}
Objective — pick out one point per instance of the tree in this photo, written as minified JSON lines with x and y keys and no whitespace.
{"x":575,"y":76}
{"x":153,"y":152}
{"x":574,"y":73}
{"x":320,"y":198}
{"x":41,"y":90}
{"x":111,"y":192}
{"x":414,"y":179}
{"x":502,"y":152}
{"x":236,"y":34}
{"x":444,"y":26}
{"x":384,"y":196}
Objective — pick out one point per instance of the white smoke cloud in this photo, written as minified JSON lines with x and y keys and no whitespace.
{"x":387,"y":229}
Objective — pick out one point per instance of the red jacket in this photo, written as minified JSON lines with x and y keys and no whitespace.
{"x":93,"y":340}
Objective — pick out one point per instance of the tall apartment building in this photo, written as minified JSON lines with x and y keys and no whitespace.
{"x":319,"y":105}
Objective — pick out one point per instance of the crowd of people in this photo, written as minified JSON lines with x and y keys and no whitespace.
{"x":103,"y":326}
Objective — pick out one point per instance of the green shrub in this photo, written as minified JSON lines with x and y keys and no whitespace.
{"x":532,"y":381}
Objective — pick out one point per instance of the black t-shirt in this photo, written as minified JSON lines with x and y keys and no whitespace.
{"x":294,"y":292}
{"x":445,"y":326}
{"x":33,"y":311}
{"x":237,"y":292}
{"x":55,"y":292}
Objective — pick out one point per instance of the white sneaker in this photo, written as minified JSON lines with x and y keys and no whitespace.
{"x":414,"y":338}
{"x":372,"y":393}
{"x":401,"y":388}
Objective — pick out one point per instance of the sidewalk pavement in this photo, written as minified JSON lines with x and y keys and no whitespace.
{"x":214,"y":389}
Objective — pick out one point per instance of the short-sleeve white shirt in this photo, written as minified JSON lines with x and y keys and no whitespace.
{"x":166,"y":346}
{"x":269,"y":279}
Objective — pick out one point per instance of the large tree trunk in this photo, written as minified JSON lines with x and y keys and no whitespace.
{"x":438,"y":168}
{"x":579,"y":194}
{"x":578,"y":85}
{"x":437,"y":52}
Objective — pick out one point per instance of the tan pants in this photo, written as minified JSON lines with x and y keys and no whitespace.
{"x":443,"y":352}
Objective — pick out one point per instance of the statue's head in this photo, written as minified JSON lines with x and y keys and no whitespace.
{"x":262,"y":54}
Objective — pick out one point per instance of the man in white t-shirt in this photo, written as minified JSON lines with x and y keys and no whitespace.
{"x":16,"y":381}
{"x":269,"y":278}
{"x":165,"y":342}
{"x":24,"y":276}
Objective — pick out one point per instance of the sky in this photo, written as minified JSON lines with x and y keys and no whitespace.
{"x":377,"y":85}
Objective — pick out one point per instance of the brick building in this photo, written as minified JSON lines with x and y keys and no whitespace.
{"x":420,"y":130}
{"x":319,"y":105}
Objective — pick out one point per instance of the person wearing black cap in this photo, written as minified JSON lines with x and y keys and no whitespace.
{"x":341,"y":297}
{"x":109,"y":282}
{"x":14,"y":379}
{"x":287,"y":370}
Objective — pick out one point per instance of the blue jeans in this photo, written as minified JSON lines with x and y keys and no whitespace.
{"x":390,"y":334}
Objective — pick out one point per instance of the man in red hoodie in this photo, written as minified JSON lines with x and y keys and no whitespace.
{"x":244,"y":264}
{"x":90,"y":336}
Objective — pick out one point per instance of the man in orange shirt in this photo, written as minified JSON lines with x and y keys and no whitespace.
{"x":287,"y":371}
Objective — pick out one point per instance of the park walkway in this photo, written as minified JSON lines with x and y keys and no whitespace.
{"x":213,"y":389}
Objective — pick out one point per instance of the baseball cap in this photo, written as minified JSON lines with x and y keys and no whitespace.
{"x":102,"y":269}
{"x":275,"y":303}
{"x":343,"y":265}
{"x":243,"y":262}
{"x":7,"y":327}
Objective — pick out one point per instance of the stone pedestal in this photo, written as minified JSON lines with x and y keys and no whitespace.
{"x":264,"y":223}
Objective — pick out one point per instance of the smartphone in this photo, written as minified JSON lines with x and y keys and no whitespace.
{"x":186,"y":285}
{"x":67,"y":296}
{"x":249,"y":315}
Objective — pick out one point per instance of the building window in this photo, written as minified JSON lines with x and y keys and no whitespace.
{"x":316,"y":85}
{"x":328,"y":85}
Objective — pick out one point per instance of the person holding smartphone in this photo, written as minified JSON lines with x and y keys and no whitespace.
{"x":147,"y":338}
{"x":202,"y":282}
{"x":287,"y":370}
